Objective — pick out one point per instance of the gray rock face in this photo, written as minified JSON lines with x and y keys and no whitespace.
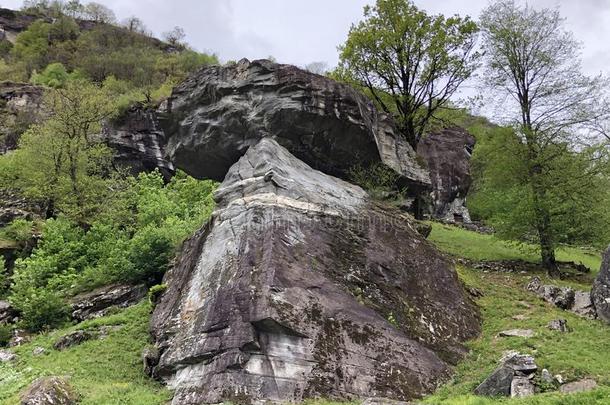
{"x":137,"y":141}
{"x":19,"y":107}
{"x":512,"y":378}
{"x":300,"y":286}
{"x":586,"y":384}
{"x":220,"y":111}
{"x":97,"y":302}
{"x":6,"y":356}
{"x":7,"y":312}
{"x":600,"y":293}
{"x":447,"y":155}
{"x":566,"y":298}
{"x":49,"y":391}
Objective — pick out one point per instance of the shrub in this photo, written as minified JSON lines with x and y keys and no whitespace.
{"x":6,"y":332}
{"x":378,"y":179}
{"x":41,"y":309}
{"x":155,"y":292}
{"x":20,"y":231}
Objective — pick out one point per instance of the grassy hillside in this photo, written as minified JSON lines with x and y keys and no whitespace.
{"x":109,"y":371}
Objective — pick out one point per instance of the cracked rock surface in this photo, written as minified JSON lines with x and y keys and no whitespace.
{"x":215,"y":115}
{"x":300,"y":286}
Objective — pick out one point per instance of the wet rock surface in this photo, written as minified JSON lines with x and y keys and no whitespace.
{"x":220,"y":111}
{"x":138,"y":142}
{"x":447,"y":154}
{"x":300,"y":286}
{"x":600,"y":293}
{"x":98,"y":302}
{"x":49,"y":391}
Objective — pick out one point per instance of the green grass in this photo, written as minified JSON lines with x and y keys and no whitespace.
{"x":103,"y":372}
{"x":471,"y":245}
{"x":584,"y":352}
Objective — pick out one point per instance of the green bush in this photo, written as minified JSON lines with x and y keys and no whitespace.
{"x":6,"y":332}
{"x":378,"y":179}
{"x":20,"y":231}
{"x":41,"y":309}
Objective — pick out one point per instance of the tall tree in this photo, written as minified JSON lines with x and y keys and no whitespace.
{"x":533,"y":60}
{"x":410,"y":62}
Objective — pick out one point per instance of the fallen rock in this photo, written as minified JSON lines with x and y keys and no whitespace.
{"x":220,"y":111}
{"x":300,"y":286}
{"x":520,"y":317}
{"x":583,"y":305}
{"x":98,"y":302}
{"x":522,"y":387}
{"x":566,"y":298}
{"x":497,"y":384}
{"x":586,"y":384}
{"x":39,"y":351}
{"x":73,"y":339}
{"x":524,"y":333}
{"x":6,"y":356}
{"x":20,"y":337}
{"x":546,"y":377}
{"x":49,"y":391}
{"x":447,"y":154}
{"x":600,"y":293}
{"x":512,"y":378}
{"x":560,"y":325}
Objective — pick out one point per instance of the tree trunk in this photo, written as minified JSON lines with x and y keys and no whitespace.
{"x":543,"y":227}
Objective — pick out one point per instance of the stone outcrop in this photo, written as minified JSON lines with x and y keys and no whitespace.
{"x":73,"y":339}
{"x":566,"y":298}
{"x":447,"y":155}
{"x":600,"y":293}
{"x":7,"y":312}
{"x":512,"y":378}
{"x":50,"y":391}
{"x":220,"y":111}
{"x":20,"y":106}
{"x":301,"y":286}
{"x":137,"y":141}
{"x":98,"y":302}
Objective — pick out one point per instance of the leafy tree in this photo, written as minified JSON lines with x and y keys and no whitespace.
{"x":99,"y":13}
{"x":410,"y":62}
{"x":54,"y":75}
{"x":175,"y":36}
{"x":32,"y":45}
{"x":61,"y":160}
{"x":534,"y":61}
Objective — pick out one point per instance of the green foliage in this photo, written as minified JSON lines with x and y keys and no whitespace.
{"x":410,"y":62}
{"x":19,"y":231}
{"x":576,"y":193}
{"x":378,"y":180}
{"x":155,"y":292}
{"x":40,"y":308}
{"x":6,"y":333}
{"x":102,"y":371}
{"x":54,"y":75}
{"x":133,"y":241}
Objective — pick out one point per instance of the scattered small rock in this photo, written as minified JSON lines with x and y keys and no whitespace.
{"x":72,"y":339}
{"x":559,"y":378}
{"x":39,"y":351}
{"x":566,"y":298}
{"x":20,"y":337}
{"x":6,"y":356}
{"x":521,"y":387}
{"x":546,"y":377}
{"x":560,"y":325}
{"x":49,"y":391}
{"x":520,"y":317}
{"x":7,"y":312}
{"x":586,"y":384}
{"x":524,"y":333}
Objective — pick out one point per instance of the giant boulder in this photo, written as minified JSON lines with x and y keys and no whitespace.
{"x":600,"y":293}
{"x":301,"y":286}
{"x":447,"y":155}
{"x":220,"y":111}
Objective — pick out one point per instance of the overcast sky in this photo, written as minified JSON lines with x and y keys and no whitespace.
{"x":304,"y":31}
